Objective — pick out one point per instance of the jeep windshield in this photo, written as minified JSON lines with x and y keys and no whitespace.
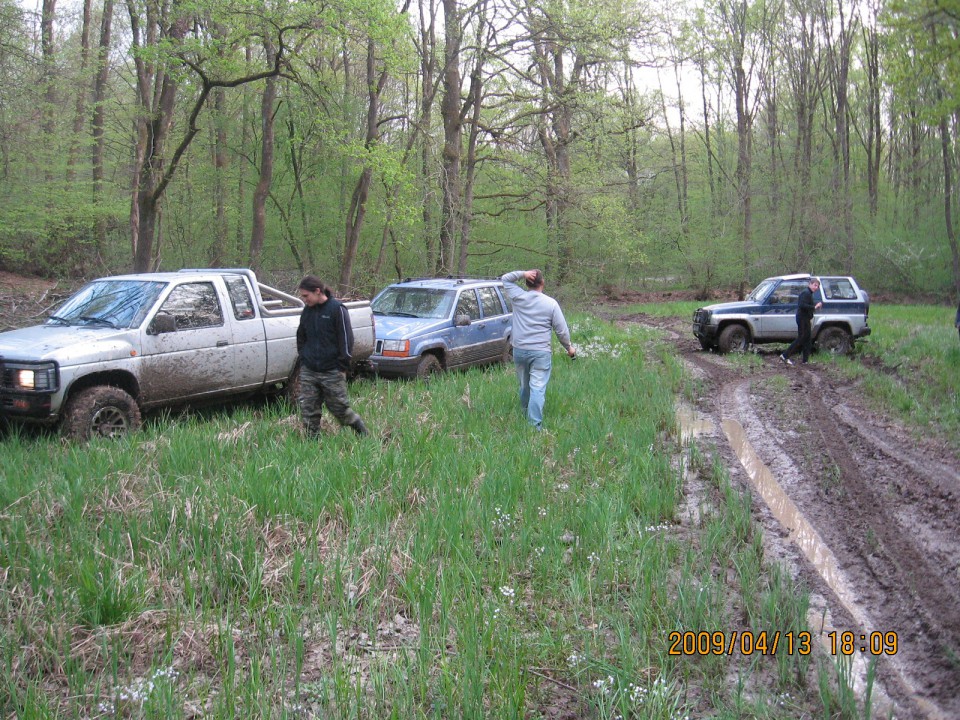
{"x":414,"y":302}
{"x":761,"y":290}
{"x":109,"y":303}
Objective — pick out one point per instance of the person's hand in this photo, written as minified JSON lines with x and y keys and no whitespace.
{"x":572,"y":351}
{"x":530,"y":275}
{"x":818,"y":306}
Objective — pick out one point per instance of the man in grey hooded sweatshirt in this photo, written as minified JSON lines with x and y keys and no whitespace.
{"x":535,"y":315}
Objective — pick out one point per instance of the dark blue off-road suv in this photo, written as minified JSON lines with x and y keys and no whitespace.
{"x":427,"y":325}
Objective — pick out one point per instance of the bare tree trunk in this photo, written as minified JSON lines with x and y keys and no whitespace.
{"x":358,"y":201}
{"x":452,"y":138}
{"x":47,"y":49}
{"x":262,"y":191}
{"x":947,"y":154}
{"x":428,"y":62}
{"x":874,"y":124}
{"x":218,"y":244}
{"x":839,"y":55}
{"x":97,"y":124}
{"x":476,"y":85}
{"x":82,"y":89}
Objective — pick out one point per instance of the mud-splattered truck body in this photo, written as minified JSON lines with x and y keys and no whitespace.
{"x":129,"y":343}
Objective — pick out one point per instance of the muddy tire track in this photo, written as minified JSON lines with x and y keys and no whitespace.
{"x":884,"y":501}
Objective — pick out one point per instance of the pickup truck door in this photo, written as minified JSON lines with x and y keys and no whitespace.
{"x":249,"y":335}
{"x":187,"y":346}
{"x":778,"y":319}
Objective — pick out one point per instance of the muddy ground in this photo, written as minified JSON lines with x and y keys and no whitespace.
{"x":881,"y":501}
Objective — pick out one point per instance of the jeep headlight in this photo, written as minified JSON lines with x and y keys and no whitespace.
{"x":31,"y":378}
{"x":396,"y":348}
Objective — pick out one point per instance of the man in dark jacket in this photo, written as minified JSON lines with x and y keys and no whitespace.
{"x":806,"y":306}
{"x":324,"y":342}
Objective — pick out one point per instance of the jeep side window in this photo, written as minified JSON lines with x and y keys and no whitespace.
{"x":787,"y":292}
{"x":468,"y":305}
{"x":193,"y":305}
{"x":838,"y":289}
{"x":490,"y":302}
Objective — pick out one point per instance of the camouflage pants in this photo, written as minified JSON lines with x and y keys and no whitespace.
{"x":324,"y":388}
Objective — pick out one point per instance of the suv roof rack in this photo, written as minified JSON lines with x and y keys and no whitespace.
{"x":458,"y":278}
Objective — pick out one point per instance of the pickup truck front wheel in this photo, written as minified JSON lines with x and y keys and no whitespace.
{"x":100,"y":411}
{"x":733,"y":338}
{"x":835,"y":341}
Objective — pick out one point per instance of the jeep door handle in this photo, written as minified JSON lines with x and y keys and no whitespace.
{"x":222,"y":343}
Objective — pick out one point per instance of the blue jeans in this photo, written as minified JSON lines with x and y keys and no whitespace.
{"x":533,"y":372}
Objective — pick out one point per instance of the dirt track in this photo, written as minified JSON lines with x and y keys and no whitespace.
{"x":883,"y":505}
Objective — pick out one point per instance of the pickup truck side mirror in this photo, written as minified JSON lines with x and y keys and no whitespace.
{"x":162,"y":323}
{"x":461,"y":320}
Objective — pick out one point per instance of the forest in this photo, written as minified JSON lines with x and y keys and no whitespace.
{"x":613,"y":143}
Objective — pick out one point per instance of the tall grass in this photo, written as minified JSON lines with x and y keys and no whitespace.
{"x":456,"y":563}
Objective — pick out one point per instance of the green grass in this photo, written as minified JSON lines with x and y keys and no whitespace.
{"x":454,"y":564}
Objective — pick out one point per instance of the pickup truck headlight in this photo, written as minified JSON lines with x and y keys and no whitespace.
{"x":24,"y":377}
{"x":396,"y":348}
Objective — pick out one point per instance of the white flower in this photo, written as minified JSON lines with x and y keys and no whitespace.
{"x":507,"y":591}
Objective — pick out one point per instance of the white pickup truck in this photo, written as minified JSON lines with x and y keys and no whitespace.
{"x":129,"y":343}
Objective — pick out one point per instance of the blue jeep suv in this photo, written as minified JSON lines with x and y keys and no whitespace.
{"x":427,"y":325}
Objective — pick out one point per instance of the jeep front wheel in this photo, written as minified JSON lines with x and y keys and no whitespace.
{"x":835,"y":340}
{"x":734,"y":338}
{"x":429,"y":365}
{"x":100,"y":411}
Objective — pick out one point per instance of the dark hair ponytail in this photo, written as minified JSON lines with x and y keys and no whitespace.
{"x":313,"y":283}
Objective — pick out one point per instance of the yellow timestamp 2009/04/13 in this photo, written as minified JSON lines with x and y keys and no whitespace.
{"x":770,"y":642}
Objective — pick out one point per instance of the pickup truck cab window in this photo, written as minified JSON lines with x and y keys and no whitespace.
{"x":240,"y":298}
{"x":193,"y":305}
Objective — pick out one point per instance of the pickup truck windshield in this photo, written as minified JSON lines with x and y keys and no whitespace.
{"x":414,"y":302}
{"x":109,"y":303}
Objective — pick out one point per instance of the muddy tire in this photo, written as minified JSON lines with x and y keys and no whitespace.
{"x":291,"y":390}
{"x":734,"y":339}
{"x":100,"y":411}
{"x":835,"y":340}
{"x":429,"y":365}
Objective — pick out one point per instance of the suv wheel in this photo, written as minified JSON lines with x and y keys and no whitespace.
{"x":429,"y":365}
{"x":834,"y":340}
{"x":734,"y":338}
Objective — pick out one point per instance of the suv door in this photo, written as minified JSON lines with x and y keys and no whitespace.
{"x":778,"y":319}
{"x":497,"y":322}
{"x":467,"y":340}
